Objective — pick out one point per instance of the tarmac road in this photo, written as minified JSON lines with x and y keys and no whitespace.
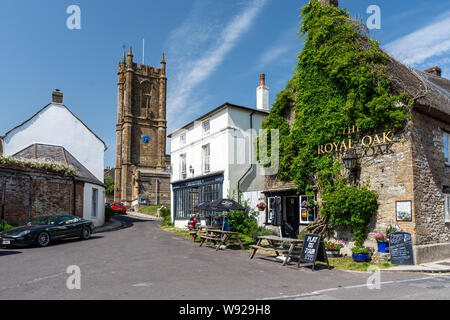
{"x":141,"y":261}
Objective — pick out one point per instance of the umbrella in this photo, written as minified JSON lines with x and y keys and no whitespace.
{"x":220,"y":205}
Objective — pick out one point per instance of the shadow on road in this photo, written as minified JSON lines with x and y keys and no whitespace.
{"x":128,"y":222}
{"x":8,"y":253}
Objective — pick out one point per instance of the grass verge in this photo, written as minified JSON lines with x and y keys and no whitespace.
{"x":347,"y":263}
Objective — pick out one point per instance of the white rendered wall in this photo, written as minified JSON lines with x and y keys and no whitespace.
{"x":55,"y":125}
{"x":87,"y":204}
{"x":262,"y":98}
{"x":253,"y":198}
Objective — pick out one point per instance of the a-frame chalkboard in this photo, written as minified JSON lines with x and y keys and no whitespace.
{"x":313,"y":250}
{"x":401,"y":248}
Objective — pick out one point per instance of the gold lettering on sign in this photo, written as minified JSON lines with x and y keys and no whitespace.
{"x":350,"y":130}
{"x":364,"y":143}
{"x":376,"y":139}
{"x":386,"y":136}
{"x":343,"y":146}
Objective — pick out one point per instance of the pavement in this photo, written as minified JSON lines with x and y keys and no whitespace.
{"x":431,"y":267}
{"x":143,"y":216}
{"x":112,"y":225}
{"x":141,"y":261}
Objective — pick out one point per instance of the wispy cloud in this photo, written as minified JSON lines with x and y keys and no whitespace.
{"x":197,"y":49}
{"x":422,"y":45}
{"x":281,"y":50}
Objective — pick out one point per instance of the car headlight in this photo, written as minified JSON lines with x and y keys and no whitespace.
{"x":24,"y":233}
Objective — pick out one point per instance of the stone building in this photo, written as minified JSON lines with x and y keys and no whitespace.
{"x":409,"y":169}
{"x":142,"y":174}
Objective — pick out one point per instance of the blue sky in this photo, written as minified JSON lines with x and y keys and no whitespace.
{"x":215,"y":51}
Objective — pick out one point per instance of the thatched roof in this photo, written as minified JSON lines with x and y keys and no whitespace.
{"x":431,"y":92}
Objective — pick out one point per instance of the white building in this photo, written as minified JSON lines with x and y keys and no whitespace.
{"x":215,"y":156}
{"x":55,"y":125}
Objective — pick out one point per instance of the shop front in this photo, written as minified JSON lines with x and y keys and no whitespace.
{"x":188,"y":194}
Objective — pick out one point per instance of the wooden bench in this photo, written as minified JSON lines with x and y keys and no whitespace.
{"x":193,"y":235}
{"x":275,"y":245}
{"x":221,"y":237}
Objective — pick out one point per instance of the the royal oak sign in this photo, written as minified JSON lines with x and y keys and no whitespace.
{"x":379,"y":143}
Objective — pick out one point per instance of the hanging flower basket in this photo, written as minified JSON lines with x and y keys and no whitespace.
{"x":261,"y":206}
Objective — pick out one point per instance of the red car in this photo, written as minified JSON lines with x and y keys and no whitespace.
{"x":118,"y":207}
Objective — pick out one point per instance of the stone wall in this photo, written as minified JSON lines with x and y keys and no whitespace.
{"x":430,"y":175}
{"x":31,"y":193}
{"x":388,"y":170}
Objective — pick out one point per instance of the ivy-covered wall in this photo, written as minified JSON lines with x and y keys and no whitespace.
{"x":340,"y":81}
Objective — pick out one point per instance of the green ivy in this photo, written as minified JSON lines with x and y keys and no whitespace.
{"x":42,"y":165}
{"x":352,"y":207}
{"x":340,"y":81}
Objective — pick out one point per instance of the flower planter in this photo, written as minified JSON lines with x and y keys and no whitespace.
{"x":361,"y":257}
{"x":382,"y":246}
{"x":261,"y":209}
{"x":333,"y":253}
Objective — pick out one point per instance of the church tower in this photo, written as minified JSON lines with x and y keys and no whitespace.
{"x":141,"y":175}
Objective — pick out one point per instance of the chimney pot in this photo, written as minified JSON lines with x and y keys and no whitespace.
{"x":262,"y":94}
{"x":434,"y":70}
{"x":57,"y":96}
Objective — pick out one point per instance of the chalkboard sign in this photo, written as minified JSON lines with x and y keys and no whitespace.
{"x":401,"y":249}
{"x":313,"y":250}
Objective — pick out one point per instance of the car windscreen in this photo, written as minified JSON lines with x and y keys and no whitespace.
{"x":40,"y":221}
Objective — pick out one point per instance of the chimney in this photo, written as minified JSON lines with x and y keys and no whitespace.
{"x":333,"y":3}
{"x":57,"y":96}
{"x":434,"y":70}
{"x":262,"y":94}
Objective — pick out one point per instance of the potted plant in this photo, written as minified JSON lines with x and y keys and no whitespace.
{"x":361,"y":254}
{"x":261,"y":206}
{"x":333,"y":248}
{"x":381,"y":241}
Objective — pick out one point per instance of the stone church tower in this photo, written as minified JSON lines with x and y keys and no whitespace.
{"x":141,"y":175}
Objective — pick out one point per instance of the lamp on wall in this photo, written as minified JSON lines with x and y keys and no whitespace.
{"x":191,"y":170}
{"x":350,"y":160}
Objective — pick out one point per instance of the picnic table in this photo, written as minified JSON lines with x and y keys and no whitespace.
{"x":219,"y":237}
{"x":200,"y":231}
{"x":276,"y":245}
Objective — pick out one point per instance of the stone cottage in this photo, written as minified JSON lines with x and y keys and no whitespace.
{"x":409,"y":169}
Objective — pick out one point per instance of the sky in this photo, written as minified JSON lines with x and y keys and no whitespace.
{"x":215,"y":51}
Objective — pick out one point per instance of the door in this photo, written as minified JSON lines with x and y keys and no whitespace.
{"x":292,"y":216}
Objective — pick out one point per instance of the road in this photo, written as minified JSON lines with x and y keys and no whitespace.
{"x":141,"y":261}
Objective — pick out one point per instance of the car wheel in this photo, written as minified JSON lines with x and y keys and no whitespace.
{"x":86,"y":233}
{"x":43,"y":239}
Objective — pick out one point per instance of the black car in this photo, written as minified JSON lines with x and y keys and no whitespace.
{"x":43,"y":230}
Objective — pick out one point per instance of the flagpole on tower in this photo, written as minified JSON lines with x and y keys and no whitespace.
{"x":143,"y":51}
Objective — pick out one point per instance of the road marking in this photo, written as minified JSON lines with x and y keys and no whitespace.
{"x":319,"y":292}
{"x":145,"y":284}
